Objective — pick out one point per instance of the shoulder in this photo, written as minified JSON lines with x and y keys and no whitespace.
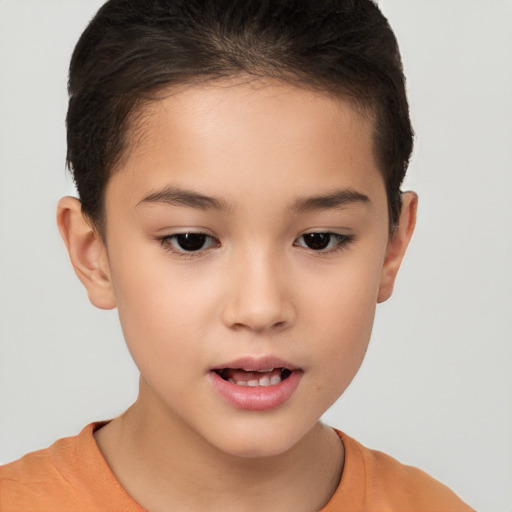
{"x":386,"y":484}
{"x":41,"y":464}
{"x":69,"y":475}
{"x":41,"y":479}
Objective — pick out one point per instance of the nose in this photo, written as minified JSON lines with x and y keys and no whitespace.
{"x":259,"y":295}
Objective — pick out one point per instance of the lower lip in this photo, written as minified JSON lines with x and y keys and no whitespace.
{"x":257,"y":398}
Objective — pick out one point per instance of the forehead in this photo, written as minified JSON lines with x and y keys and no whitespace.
{"x":257,"y":133}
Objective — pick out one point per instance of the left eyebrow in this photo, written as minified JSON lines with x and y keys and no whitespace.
{"x":331,"y":200}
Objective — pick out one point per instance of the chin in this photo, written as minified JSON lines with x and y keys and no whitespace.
{"x":260,"y":442}
{"x":253,"y":450}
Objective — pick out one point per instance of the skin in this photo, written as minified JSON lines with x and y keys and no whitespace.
{"x":256,"y":289}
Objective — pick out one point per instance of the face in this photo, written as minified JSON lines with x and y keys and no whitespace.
{"x":246,"y":249}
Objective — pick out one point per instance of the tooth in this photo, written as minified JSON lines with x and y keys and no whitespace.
{"x":276,"y":379}
{"x":241,"y":383}
{"x":253,"y":383}
{"x":265,"y":381}
{"x":231,"y":380}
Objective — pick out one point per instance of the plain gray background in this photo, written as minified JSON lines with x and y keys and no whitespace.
{"x":435,"y":390}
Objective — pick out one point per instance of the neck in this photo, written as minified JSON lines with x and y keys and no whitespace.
{"x":160,"y":461}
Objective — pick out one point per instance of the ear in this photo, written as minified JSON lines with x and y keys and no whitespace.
{"x":87,"y":252}
{"x":398,"y":242}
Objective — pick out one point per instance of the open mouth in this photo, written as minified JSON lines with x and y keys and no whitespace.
{"x":254,"y":378}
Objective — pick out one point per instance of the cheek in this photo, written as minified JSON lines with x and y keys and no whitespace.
{"x":163,"y":312}
{"x":344,"y":339}
{"x":348,"y":322}
{"x":346,"y":295}
{"x":342,"y":309}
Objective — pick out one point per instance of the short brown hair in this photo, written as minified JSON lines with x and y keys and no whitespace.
{"x":133,"y":49}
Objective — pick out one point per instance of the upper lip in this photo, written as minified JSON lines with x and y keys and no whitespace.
{"x":251,"y":363}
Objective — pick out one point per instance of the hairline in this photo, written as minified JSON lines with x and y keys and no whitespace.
{"x":133,"y":126}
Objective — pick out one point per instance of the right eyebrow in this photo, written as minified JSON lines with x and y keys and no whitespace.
{"x":177,"y":196}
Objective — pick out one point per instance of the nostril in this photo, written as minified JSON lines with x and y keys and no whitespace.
{"x":253,"y":310}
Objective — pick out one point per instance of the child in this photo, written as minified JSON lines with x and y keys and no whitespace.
{"x":239,"y":167}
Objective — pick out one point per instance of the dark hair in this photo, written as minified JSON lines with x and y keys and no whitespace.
{"x":134,"y":49}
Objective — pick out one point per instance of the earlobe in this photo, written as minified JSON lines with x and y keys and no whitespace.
{"x":87,"y":252}
{"x":397,"y":245}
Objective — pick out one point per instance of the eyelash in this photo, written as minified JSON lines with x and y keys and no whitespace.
{"x":167,"y":243}
{"x":340,"y":243}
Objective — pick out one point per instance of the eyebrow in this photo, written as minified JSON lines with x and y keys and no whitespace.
{"x":177,"y":196}
{"x":331,"y":200}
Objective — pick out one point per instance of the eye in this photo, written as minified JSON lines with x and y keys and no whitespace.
{"x":189,"y":242}
{"x":323,"y":242}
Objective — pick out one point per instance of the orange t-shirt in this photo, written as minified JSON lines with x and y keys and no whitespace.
{"x":72,"y":475}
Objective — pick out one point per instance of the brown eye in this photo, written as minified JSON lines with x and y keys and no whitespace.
{"x":190,"y":242}
{"x":323,"y":242}
{"x":317,"y":241}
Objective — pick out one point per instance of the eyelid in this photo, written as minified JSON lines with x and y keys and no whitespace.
{"x":166,"y":241}
{"x":342,"y":242}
